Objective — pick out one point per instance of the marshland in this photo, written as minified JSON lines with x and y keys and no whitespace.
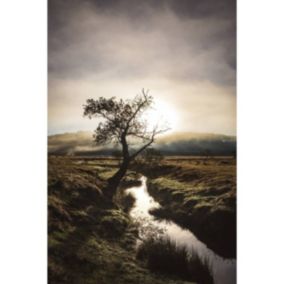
{"x":173,"y":221}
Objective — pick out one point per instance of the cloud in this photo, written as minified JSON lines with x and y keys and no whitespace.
{"x":98,"y":47}
{"x":89,"y":42}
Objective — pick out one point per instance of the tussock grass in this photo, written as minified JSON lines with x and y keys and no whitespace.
{"x":166,"y":256}
{"x":90,"y":240}
{"x":200,"y":197}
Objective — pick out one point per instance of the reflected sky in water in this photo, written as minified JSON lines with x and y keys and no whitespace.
{"x":224,"y":270}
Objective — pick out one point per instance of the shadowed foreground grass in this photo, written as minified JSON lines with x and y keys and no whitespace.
{"x":90,"y":239}
{"x":165,"y":256}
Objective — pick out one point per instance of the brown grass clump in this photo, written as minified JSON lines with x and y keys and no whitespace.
{"x":166,"y":256}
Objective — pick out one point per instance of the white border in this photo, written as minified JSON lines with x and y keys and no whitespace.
{"x":260,"y":141}
{"x":23,"y":117}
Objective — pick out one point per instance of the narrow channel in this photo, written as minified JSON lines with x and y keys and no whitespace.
{"x":223,"y":270}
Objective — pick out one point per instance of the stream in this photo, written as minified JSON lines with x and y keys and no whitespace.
{"x":223,"y":270}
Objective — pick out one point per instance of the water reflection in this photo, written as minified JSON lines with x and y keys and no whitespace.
{"x":224,"y":270}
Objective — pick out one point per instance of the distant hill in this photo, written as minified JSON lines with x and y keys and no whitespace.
{"x":189,"y":143}
{"x":180,"y":143}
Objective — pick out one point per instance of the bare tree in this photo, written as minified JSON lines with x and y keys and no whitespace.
{"x":123,"y":121}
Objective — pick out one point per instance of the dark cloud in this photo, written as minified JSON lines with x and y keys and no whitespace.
{"x":136,"y":8}
{"x":81,"y":32}
{"x":185,"y":43}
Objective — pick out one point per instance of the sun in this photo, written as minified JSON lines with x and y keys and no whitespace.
{"x":163,"y":115}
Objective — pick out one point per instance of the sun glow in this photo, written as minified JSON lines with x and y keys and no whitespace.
{"x":162,"y":115}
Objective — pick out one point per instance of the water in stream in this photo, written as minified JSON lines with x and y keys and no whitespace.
{"x":223,"y":270}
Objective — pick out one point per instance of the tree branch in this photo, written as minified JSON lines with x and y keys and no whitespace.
{"x":152,"y":139}
{"x":140,"y":106}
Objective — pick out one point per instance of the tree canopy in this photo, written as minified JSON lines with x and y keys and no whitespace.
{"x":122,"y":121}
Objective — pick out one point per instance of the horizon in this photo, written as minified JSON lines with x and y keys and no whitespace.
{"x":179,"y":143}
{"x":161,"y":135}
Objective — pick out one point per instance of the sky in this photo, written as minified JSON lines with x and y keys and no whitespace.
{"x":183,"y":51}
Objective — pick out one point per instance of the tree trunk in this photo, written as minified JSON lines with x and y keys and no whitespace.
{"x":114,"y":181}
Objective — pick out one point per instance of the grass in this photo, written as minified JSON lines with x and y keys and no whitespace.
{"x":90,"y":239}
{"x":164,"y":256}
{"x":107,"y":173}
{"x":170,"y":184}
{"x":200,"y":196}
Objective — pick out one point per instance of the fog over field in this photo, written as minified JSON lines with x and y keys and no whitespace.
{"x":182,"y":143}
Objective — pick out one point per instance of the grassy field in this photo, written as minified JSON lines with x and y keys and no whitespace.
{"x":198,"y":193}
{"x":92,"y":240}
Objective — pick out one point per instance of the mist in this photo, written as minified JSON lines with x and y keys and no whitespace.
{"x":184,"y":53}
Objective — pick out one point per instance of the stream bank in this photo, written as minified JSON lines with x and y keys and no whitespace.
{"x":172,"y":237}
{"x":197,"y":196}
{"x":90,"y":239}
